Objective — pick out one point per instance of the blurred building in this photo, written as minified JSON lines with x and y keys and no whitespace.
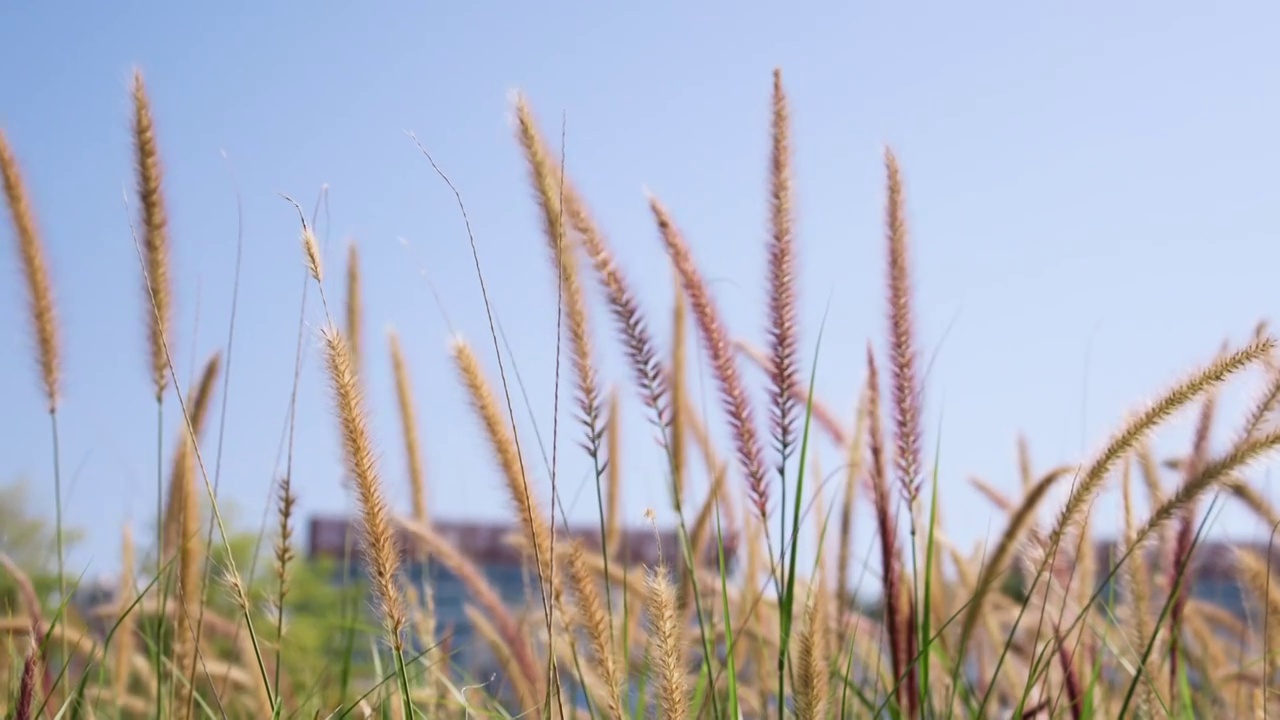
{"x":1211,"y":575}
{"x":88,"y":600}
{"x":490,"y":547}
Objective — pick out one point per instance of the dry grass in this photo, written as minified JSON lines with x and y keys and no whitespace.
{"x":35,"y":270}
{"x":409,"y":430}
{"x":375,"y":519}
{"x":666,"y":646}
{"x":1015,"y":629}
{"x":154,"y":222}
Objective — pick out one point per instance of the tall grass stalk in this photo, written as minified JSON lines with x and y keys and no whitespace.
{"x":43,"y":320}
{"x":1028,"y":624}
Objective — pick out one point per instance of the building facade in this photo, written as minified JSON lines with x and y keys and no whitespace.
{"x":1211,"y":574}
{"x":489,"y":546}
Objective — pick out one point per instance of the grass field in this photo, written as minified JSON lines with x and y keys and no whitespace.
{"x":1017,"y":628}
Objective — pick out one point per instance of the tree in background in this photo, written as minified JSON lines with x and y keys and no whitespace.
{"x":322,"y":615}
{"x":29,"y":539}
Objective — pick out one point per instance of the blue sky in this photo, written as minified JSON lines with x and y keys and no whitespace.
{"x":1091,"y":195}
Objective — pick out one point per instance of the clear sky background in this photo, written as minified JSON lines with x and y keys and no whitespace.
{"x":1092,"y":195}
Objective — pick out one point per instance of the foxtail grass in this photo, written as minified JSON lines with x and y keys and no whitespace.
{"x":738,"y":620}
{"x":43,"y":320}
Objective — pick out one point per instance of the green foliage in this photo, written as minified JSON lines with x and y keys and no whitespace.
{"x":27,"y":536}
{"x":317,"y":607}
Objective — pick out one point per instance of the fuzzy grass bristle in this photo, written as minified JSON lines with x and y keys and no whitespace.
{"x":1140,"y":426}
{"x":666,"y":649}
{"x":154,"y":222}
{"x":592,"y":611}
{"x":896,"y":624}
{"x":311,"y":252}
{"x":677,"y":383}
{"x":782,"y":330}
{"x":613,"y":473}
{"x":182,"y":527}
{"x":715,"y":342}
{"x":126,"y":641}
{"x":27,"y":684}
{"x":537,"y":529}
{"x":183,"y":474}
{"x":647,"y":370}
{"x":409,"y":429}
{"x":812,"y":681}
{"x":561,"y":252}
{"x":286,"y":503}
{"x":902,"y":345}
{"x":376,"y":529}
{"x":35,"y":271}
{"x":354,"y":331}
